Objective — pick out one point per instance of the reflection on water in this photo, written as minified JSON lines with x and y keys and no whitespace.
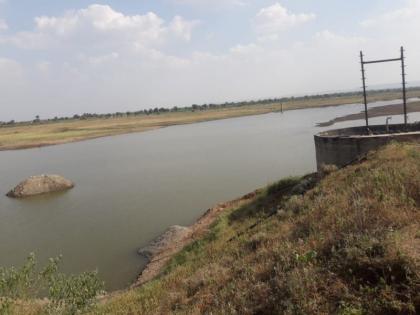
{"x":130,"y":188}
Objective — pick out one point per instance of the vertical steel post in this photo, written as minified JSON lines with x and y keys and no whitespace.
{"x":364,"y":89}
{"x":404,"y":86}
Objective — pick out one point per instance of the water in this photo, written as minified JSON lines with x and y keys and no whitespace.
{"x":130,"y":188}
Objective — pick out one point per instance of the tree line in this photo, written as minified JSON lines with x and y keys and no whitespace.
{"x":193,"y":107}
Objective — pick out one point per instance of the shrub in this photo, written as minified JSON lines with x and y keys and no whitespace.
{"x":66,"y":294}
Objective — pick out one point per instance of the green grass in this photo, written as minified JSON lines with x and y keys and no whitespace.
{"x":65,"y":294}
{"x":348,"y":245}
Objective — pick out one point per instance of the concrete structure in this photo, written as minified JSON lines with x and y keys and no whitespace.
{"x":340,"y":147}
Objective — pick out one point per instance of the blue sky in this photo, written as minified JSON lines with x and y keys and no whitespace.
{"x":66,"y":57}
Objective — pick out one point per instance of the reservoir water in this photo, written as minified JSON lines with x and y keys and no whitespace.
{"x":130,"y":188}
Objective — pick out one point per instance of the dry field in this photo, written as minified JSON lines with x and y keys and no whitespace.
{"x":51,"y":133}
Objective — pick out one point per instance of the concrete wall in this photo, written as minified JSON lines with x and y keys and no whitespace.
{"x":340,"y":147}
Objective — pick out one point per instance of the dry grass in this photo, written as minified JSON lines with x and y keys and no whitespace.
{"x":349,"y":245}
{"x":36,"y":135}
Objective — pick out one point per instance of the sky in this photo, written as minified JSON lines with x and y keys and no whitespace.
{"x":59,"y":58}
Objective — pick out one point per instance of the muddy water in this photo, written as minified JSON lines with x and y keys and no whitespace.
{"x":130,"y":188}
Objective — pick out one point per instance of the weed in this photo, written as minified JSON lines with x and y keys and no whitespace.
{"x":66,"y":294}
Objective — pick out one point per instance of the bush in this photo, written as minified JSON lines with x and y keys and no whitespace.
{"x":66,"y":294}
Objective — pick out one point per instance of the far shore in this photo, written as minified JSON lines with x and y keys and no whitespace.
{"x":40,"y":134}
{"x":379,"y":111}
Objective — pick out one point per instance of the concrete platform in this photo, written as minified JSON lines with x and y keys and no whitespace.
{"x":340,"y":147}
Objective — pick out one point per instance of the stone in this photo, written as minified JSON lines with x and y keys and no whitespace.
{"x":170,"y":238}
{"x":41,"y":184}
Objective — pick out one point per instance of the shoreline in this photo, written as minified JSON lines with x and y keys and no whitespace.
{"x":379,"y":111}
{"x":60,"y":142}
{"x":126,"y":132}
{"x":30,"y":136}
{"x":157,"y":262}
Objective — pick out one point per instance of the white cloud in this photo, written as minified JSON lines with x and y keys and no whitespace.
{"x":408,"y":14}
{"x":11,"y":67}
{"x":245,"y":49}
{"x":102,"y":19}
{"x":212,"y":3}
{"x":275,"y":19}
{"x":100,"y":60}
{"x":3,"y":25}
{"x":395,"y":28}
{"x":11,"y":86}
{"x":43,"y":66}
{"x":182,"y":28}
{"x":102,"y":26}
{"x":327,"y":36}
{"x":27,"y":40}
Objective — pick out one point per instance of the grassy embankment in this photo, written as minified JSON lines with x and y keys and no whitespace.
{"x":346,"y":244}
{"x":349,"y":245}
{"x":23,"y":136}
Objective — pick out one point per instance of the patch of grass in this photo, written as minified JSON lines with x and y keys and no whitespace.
{"x":268,"y":200}
{"x":196,"y":250}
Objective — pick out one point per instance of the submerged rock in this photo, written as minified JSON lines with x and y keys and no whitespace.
{"x":170,"y":238}
{"x":42,"y":184}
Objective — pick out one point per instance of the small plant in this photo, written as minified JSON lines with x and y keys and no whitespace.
{"x":348,"y":309}
{"x":295,"y":204}
{"x":307,"y":257}
{"x":283,"y":185}
{"x":66,"y":294}
{"x":73,"y":293}
{"x":328,"y":169}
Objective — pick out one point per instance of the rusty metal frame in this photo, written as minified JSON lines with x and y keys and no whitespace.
{"x":404,"y":91}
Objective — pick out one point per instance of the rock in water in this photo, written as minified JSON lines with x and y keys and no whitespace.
{"x":42,"y":184}
{"x":169,"y":239}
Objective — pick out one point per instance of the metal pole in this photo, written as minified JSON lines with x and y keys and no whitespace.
{"x":404,"y":86}
{"x":364,"y":88}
